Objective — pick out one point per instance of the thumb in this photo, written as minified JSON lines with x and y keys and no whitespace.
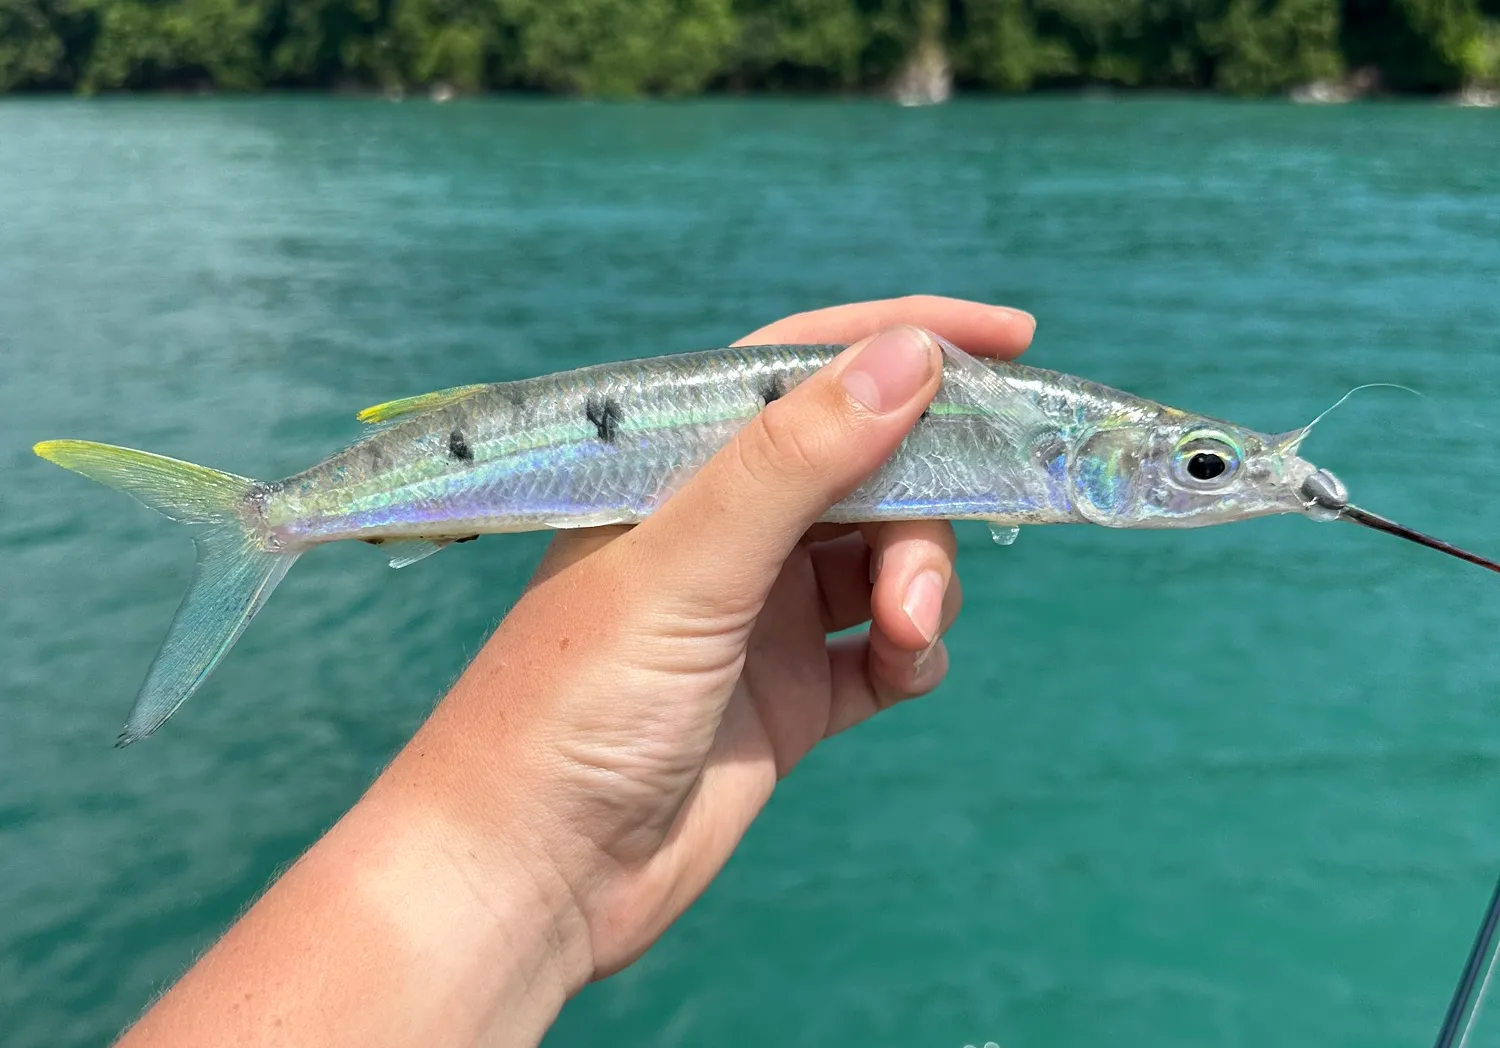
{"x":721,"y":540}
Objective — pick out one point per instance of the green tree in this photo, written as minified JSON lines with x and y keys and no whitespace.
{"x":318,"y":43}
{"x":455,"y":42}
{"x":176,"y":43}
{"x":618,"y":47}
{"x":1258,"y":49}
{"x":799,"y":44}
{"x":31,"y":50}
{"x":998,"y":46}
{"x":895,"y":29}
{"x":1418,"y":45}
{"x":831,"y":44}
{"x":1481,"y":58}
{"x":629,"y":47}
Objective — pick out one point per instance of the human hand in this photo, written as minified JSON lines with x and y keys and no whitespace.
{"x":635,"y":709}
{"x":600,"y":759}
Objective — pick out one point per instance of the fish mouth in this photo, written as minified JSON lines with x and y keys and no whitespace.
{"x":1325,"y":498}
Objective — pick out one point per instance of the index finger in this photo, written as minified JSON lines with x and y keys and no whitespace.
{"x":981,"y":329}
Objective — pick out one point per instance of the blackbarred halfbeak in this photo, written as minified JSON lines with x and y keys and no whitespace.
{"x":1328,"y":500}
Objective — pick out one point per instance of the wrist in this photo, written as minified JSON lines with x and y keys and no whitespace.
{"x":485,"y":895}
{"x":484,"y":768}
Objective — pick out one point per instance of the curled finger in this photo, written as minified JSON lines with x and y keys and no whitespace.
{"x":864,"y":684}
{"x":842,"y":570}
{"x":912,"y":570}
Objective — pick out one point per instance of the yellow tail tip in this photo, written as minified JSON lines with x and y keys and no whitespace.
{"x":56,"y":450}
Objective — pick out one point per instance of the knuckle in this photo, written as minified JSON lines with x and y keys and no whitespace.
{"x":783,"y":444}
{"x":898,"y":685}
{"x":953,"y":603}
{"x":803,"y":314}
{"x":917,"y":302}
{"x":919,"y":543}
{"x":939,"y":534}
{"x":947,"y":539}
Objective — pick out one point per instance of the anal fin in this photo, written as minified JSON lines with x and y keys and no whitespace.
{"x":405,"y":552}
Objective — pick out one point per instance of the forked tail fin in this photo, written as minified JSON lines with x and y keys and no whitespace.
{"x":231,"y":580}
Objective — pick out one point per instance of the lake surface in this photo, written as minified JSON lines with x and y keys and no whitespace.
{"x":1238,"y":786}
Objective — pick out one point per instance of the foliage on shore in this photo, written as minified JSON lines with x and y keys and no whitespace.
{"x":674,"y":47}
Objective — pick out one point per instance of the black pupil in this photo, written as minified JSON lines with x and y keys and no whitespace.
{"x":1205,"y":466}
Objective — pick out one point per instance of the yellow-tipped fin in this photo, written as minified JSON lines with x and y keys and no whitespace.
{"x":392,"y":409}
{"x":234,"y":575}
{"x":184,"y":491}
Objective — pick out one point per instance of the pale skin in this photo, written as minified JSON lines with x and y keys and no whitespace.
{"x":600,"y":759}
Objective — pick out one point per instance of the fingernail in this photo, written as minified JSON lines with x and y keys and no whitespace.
{"x":923,"y":664}
{"x":1021,"y":315}
{"x":890,"y":370}
{"x":924,"y":604}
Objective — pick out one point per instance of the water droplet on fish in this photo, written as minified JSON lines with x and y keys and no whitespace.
{"x":1004,"y":534}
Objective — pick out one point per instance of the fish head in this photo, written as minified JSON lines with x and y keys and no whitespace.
{"x":1180,"y":470}
{"x":1174,"y":470}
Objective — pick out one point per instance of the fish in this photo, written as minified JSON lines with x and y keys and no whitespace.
{"x":1001,"y":442}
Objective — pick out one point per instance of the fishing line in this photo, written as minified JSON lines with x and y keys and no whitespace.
{"x":1434,"y":408}
{"x":1455,"y":1023}
{"x":1339,"y":403}
{"x":1484,"y":988}
{"x":1471,"y":992}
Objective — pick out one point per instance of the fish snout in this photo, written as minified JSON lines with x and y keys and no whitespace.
{"x":1323,"y":495}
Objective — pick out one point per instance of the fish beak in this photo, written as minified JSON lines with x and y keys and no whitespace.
{"x":1326,"y":498}
{"x":1355,"y":515}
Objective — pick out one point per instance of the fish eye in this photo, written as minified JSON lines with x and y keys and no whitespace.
{"x":1205,"y":461}
{"x":1206,"y":465}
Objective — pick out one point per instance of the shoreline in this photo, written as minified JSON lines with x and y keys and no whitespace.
{"x":1474,"y":96}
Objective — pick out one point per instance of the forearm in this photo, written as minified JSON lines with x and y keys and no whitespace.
{"x":388,"y":931}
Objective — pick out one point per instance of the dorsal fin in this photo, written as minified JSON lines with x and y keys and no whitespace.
{"x":412,"y":405}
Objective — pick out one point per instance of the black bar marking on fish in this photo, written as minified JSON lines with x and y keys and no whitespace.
{"x":377,"y":459}
{"x":459,"y":448}
{"x":604,"y":415}
{"x":467,"y":538}
{"x":771,"y":388}
{"x":374,"y":542}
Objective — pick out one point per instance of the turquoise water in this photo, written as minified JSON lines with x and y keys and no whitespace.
{"x":1229,"y":787}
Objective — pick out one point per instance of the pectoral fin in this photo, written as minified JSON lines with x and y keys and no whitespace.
{"x":1004,"y":403}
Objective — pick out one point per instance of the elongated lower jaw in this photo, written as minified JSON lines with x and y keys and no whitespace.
{"x":1324,"y":493}
{"x":1355,"y":515}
